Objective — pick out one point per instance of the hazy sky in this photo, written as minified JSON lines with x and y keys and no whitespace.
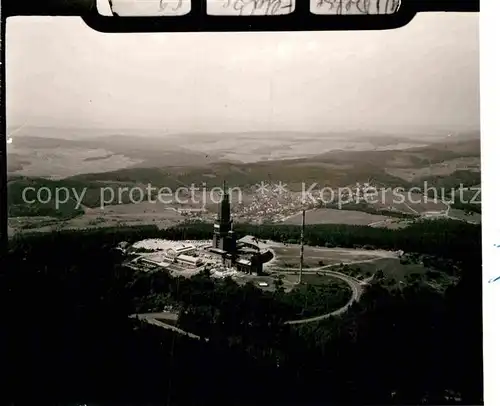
{"x":62,"y":73}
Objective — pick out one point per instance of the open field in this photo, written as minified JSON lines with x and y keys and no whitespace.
{"x":444,"y":168}
{"x":63,"y":152}
{"x":405,"y":201}
{"x":138,"y":209}
{"x":105,"y":219}
{"x":400,"y":274}
{"x":289,"y":256}
{"x":336,"y":168}
{"x":30,"y":223}
{"x":443,"y":163}
{"x":243,"y":159}
{"x":391,"y":267}
{"x":60,"y":152}
{"x":460,"y":215}
{"x":359,"y":264}
{"x":60,"y":162}
{"x":143,"y":213}
{"x":393,"y":270}
{"x":253,"y":147}
{"x":333,"y":216}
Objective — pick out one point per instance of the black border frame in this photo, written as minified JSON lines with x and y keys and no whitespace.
{"x":301,"y":19}
{"x":4,"y":214}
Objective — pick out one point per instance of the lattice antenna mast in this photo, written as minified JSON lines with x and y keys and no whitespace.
{"x":302,"y":245}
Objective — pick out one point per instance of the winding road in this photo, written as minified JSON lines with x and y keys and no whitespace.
{"x":355,"y":285}
{"x":152,"y":318}
{"x":357,"y":291}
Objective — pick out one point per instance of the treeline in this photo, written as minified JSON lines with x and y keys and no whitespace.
{"x":367,"y":208}
{"x":23,"y":200}
{"x":66,"y":334}
{"x":63,"y":199}
{"x":443,"y":238}
{"x":440,"y":237}
{"x":468,"y":207}
{"x":469,"y":201}
{"x":457,"y":179}
{"x":292,"y":172}
{"x":448,"y":189}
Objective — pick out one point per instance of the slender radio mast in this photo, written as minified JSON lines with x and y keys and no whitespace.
{"x":302,"y":245}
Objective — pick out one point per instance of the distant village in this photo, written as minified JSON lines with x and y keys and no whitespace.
{"x":272,"y":207}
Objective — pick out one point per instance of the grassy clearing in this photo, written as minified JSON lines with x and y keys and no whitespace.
{"x":397,"y":274}
{"x":334,"y":216}
{"x":289,"y":256}
{"x":391,"y":267}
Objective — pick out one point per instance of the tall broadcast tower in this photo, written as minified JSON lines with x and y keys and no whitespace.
{"x":224,"y":238}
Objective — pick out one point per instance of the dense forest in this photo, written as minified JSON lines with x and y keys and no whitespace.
{"x":364,"y":206}
{"x":66,"y":334}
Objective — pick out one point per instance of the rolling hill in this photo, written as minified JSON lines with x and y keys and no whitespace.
{"x":334,"y":169}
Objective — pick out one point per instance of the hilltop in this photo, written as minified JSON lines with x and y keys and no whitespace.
{"x":389,"y":168}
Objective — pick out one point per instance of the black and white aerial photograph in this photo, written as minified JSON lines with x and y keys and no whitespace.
{"x":229,"y":218}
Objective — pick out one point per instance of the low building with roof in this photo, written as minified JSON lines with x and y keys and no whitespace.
{"x":179,"y":249}
{"x":189,"y":260}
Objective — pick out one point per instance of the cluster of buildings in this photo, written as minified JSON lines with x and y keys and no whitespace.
{"x":273,"y":206}
{"x":243,"y":254}
{"x":225,"y":253}
{"x":270,"y":207}
{"x":184,"y":254}
{"x":276,"y":207}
